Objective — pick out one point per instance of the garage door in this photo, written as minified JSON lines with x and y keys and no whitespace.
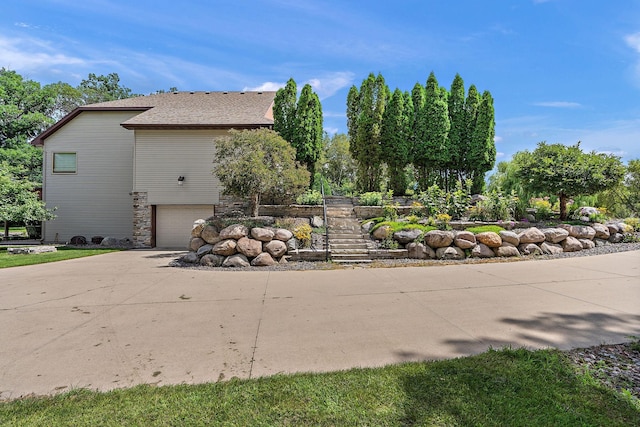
{"x":174,"y":223}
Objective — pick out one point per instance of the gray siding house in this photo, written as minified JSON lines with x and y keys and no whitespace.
{"x":141,"y":167}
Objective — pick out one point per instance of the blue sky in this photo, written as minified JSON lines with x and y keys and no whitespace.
{"x":559,"y":70}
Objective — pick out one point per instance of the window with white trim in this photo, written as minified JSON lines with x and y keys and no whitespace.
{"x":65,"y":163}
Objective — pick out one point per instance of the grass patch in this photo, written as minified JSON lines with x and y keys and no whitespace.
{"x":399,"y":226}
{"x":64,"y":253}
{"x":496,"y":388}
{"x":484,"y":228}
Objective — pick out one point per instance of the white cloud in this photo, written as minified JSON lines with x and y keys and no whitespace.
{"x":266,"y":86}
{"x":327,"y":85}
{"x":499,"y":155}
{"x":633,"y":41}
{"x":28,"y":54}
{"x":497,"y":139}
{"x":558,"y":104}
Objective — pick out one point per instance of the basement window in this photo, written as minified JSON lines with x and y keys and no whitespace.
{"x":65,"y":163}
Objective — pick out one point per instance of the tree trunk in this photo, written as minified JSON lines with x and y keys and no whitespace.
{"x":6,"y":230}
{"x":255,"y":204}
{"x":563,"y":206}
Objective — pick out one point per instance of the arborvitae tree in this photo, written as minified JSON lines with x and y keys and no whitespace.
{"x":307,"y":136}
{"x":395,"y":142}
{"x":482,"y":152}
{"x":353,"y":111}
{"x":457,"y":117}
{"x":284,"y":110}
{"x":430,"y":153}
{"x":471,"y":105}
{"x":365,"y":135}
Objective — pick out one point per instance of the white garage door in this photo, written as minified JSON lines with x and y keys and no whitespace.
{"x":174,"y":223}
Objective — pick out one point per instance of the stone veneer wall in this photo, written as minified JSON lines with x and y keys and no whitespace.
{"x":141,"y":220}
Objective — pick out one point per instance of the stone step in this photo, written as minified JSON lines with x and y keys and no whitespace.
{"x":350,"y":258}
{"x":347,"y":236}
{"x":350,"y":245}
{"x":361,"y":251}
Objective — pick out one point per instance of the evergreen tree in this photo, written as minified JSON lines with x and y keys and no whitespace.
{"x":471,"y":105}
{"x":353,"y":111}
{"x":284,"y":110}
{"x":482,"y":152}
{"x":307,"y":136}
{"x":395,"y":142}
{"x":458,"y":119}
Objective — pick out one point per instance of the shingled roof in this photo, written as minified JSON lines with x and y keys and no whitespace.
{"x":186,"y":110}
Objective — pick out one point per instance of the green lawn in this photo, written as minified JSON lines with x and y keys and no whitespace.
{"x":496,"y":388}
{"x":7,"y":260}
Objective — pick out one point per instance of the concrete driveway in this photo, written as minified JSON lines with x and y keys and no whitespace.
{"x":121,"y":319}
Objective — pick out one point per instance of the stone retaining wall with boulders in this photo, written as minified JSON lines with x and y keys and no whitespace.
{"x":439,"y":244}
{"x":238,"y":245}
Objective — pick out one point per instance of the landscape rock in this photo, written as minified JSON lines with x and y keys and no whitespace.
{"x":602,"y":231}
{"x":532,"y":235}
{"x":624,"y":227}
{"x":582,"y":232}
{"x":276,"y":248}
{"x":571,"y":244}
{"x":551,"y":248}
{"x":78,"y":240}
{"x":613,"y":228}
{"x":109,"y":242}
{"x":198,"y":226}
{"x":194,"y":244}
{"x":262,"y":234}
{"x":283,"y":235}
{"x":510,"y":237}
{"x":438,"y":238}
{"x":464,"y":239}
{"x":420,"y":251}
{"x":507,"y":251}
{"x":190,"y":258}
{"x":616,"y":238}
{"x":234,"y":231}
{"x":249,"y":247}
{"x":382,"y":232}
{"x":96,"y":240}
{"x":555,"y":235}
{"x":204,"y":250}
{"x":489,"y":238}
{"x":317,"y":221}
{"x":225,"y":247}
{"x":451,"y":252}
{"x":587,"y":244}
{"x":407,"y":236}
{"x":31,"y":250}
{"x":211,"y":260}
{"x":237,"y":260}
{"x":482,"y":251}
{"x":263,"y":260}
{"x":210,"y":234}
{"x":600,"y":242}
{"x":292,"y":245}
{"x":529,"y":249}
{"x":367,"y":226}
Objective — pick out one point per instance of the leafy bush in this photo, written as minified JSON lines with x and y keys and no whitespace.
{"x":373,"y":198}
{"x":417,"y":209}
{"x":633,"y":222}
{"x":302,"y":233}
{"x":437,"y":201}
{"x":496,"y":207}
{"x":310,"y":197}
{"x":390,"y":211}
{"x":389,"y":243}
{"x":542,"y":207}
{"x":442,"y":221}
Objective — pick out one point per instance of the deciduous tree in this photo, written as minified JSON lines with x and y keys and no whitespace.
{"x":307,"y":133}
{"x":395,"y":141}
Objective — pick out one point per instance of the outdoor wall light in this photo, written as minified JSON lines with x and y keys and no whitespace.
{"x":180,"y":180}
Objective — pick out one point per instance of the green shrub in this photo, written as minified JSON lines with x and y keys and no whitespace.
{"x":389,"y":243}
{"x":302,"y":233}
{"x":390,"y":211}
{"x":437,"y":201}
{"x":373,"y":198}
{"x":485,"y":228}
{"x":633,"y":222}
{"x":310,"y":197}
{"x":543,"y":208}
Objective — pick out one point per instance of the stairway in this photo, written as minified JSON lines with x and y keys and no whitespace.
{"x":347,"y":243}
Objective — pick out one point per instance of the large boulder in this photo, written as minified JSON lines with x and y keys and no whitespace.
{"x":198,"y":226}
{"x":204,"y":250}
{"x":316,"y":221}
{"x":110,"y":242}
{"x":482,"y":251}
{"x":79,"y":240}
{"x":616,"y":238}
{"x":276,"y":248}
{"x":406,"y":236}
{"x":225,"y":247}
{"x":211,"y":260}
{"x":613,"y":228}
{"x":263,"y":260}
{"x":509,"y":237}
{"x":262,"y":234}
{"x":555,"y":235}
{"x":249,"y":247}
{"x":507,"y":250}
{"x":602,"y":231}
{"x":438,"y":238}
{"x":489,"y":238}
{"x":210,"y":234}
{"x":292,"y":245}
{"x":464,"y":239}
{"x":381,"y":232}
{"x":571,"y":244}
{"x":283,"y":235}
{"x":420,"y":251}
{"x":190,"y":258}
{"x":194,"y":244}
{"x":234,"y":231}
{"x":237,"y":260}
{"x":601,"y":242}
{"x":587,"y":244}
{"x":451,"y":252}
{"x":551,"y":248}
{"x":531,"y":235}
{"x":582,"y":232}
{"x":529,"y":249}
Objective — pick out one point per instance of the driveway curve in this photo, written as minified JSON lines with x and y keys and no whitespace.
{"x":126,"y":318}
